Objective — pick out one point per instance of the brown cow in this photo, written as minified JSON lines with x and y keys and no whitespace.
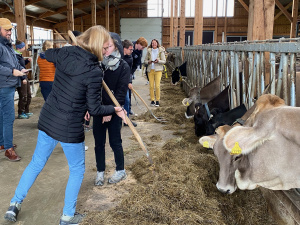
{"x":270,"y":149}
{"x":201,"y":95}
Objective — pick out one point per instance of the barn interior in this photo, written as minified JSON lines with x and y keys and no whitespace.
{"x":183,"y":27}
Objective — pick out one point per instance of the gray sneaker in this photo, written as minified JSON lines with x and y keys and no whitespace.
{"x":12,"y":212}
{"x":99,"y":181}
{"x":71,"y":220}
{"x":117,"y":177}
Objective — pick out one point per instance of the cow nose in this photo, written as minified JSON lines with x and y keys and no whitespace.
{"x":224,"y":191}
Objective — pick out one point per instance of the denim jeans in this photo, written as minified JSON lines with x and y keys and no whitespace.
{"x":75,"y":155}
{"x":7,"y":116}
{"x":46,"y":87}
{"x":127,"y":103}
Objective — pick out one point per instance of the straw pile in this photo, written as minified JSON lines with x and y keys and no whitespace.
{"x":182,"y":189}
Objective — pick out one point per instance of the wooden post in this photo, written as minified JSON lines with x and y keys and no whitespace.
{"x":225,"y":25}
{"x":172,"y":24}
{"x":182,"y":24}
{"x":107,"y":14}
{"x":20,"y":17}
{"x":93,"y":12}
{"x":198,"y":24}
{"x":31,"y":34}
{"x":176,"y":23}
{"x":81,"y":24}
{"x":114,"y":20}
{"x":294,"y":15}
{"x":70,"y":15}
{"x":216,"y":23}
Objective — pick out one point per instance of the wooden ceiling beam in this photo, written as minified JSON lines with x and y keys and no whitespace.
{"x":280,"y":12}
{"x":284,"y":11}
{"x":244,"y":5}
{"x":6,"y":9}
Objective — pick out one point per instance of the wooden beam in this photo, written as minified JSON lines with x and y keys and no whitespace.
{"x":107,"y":14}
{"x":60,"y":36}
{"x":216,"y":24}
{"x":294,"y":15}
{"x":114,"y":20}
{"x":284,"y":11}
{"x":261,"y":19}
{"x":182,"y":23}
{"x":280,"y":12}
{"x":172,"y":24}
{"x":198,"y":24}
{"x":93,"y":12}
{"x":20,"y":16}
{"x":224,"y":36}
{"x":176,"y":23}
{"x":7,"y":9}
{"x":70,"y":15}
{"x":244,"y":5}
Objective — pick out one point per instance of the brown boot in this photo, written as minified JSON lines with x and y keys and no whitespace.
{"x":12,"y":155}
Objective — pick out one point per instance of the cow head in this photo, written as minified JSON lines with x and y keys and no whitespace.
{"x":202,"y":121}
{"x":228,"y":163}
{"x":194,"y":98}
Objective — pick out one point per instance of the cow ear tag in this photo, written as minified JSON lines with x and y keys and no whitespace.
{"x":205,"y":144}
{"x":187,"y":103}
{"x":236,"y":150}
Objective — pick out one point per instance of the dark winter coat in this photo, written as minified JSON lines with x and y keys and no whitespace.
{"x":129,"y":60}
{"x":8,"y":62}
{"x":137,"y":58}
{"x":117,"y":81}
{"x":76,"y":90}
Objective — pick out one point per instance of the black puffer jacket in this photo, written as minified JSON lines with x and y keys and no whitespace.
{"x":76,"y":89}
{"x":117,"y":81}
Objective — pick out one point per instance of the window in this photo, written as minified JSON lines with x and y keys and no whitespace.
{"x":156,"y":8}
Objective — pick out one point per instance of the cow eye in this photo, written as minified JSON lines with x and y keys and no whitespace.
{"x":237,"y":158}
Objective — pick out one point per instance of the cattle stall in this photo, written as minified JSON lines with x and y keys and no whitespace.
{"x":250,"y":67}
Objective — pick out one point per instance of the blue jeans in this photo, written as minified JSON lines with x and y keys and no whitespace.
{"x":127,"y":103}
{"x":46,"y":87}
{"x":7,"y":116}
{"x":75,"y":155}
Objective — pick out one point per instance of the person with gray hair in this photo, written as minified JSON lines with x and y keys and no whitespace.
{"x":10,"y":73}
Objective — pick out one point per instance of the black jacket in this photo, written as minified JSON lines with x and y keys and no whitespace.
{"x":137,"y":58}
{"x":117,"y":81}
{"x":76,"y":89}
{"x":129,"y":60}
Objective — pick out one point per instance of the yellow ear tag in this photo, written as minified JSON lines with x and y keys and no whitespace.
{"x":205,"y":144}
{"x":236,"y":150}
{"x":187,"y":103}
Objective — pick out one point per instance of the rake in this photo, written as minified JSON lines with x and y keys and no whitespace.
{"x":160,"y":119}
{"x":132,"y":128}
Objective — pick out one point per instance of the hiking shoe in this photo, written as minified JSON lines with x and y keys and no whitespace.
{"x":152,"y":103}
{"x":71,"y":220}
{"x":117,"y":177}
{"x":23,"y":116}
{"x":157,"y":104}
{"x":99,"y":181}
{"x":12,"y":212}
{"x":29,"y":114}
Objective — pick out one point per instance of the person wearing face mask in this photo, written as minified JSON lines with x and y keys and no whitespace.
{"x":155,"y":59}
{"x":116,"y":76}
{"x":76,"y":89}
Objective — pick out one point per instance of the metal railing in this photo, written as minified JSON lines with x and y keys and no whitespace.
{"x":246,"y":66}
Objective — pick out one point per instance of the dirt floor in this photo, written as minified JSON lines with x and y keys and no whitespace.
{"x":178,"y":189}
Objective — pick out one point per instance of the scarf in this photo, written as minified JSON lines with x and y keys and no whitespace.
{"x":112,"y":61}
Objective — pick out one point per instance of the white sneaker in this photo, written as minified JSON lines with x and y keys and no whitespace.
{"x":99,"y":181}
{"x":117,"y":177}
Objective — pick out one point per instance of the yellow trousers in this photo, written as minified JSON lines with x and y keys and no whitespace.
{"x":154,"y":78}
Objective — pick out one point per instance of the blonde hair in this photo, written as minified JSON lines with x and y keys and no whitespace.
{"x":93,"y":39}
{"x":47,"y":45}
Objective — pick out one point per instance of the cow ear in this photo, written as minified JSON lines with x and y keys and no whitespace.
{"x":208,"y":141}
{"x":187,"y":101}
{"x":244,"y":138}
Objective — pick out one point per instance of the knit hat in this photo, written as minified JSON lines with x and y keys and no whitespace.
{"x":21,"y":45}
{"x":5,"y":23}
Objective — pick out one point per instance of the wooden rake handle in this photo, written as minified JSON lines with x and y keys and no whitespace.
{"x":112,"y":97}
{"x":132,"y":128}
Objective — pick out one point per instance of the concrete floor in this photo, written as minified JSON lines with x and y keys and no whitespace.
{"x":44,"y":202}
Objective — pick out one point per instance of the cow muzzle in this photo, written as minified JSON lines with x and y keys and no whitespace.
{"x":227,"y":189}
